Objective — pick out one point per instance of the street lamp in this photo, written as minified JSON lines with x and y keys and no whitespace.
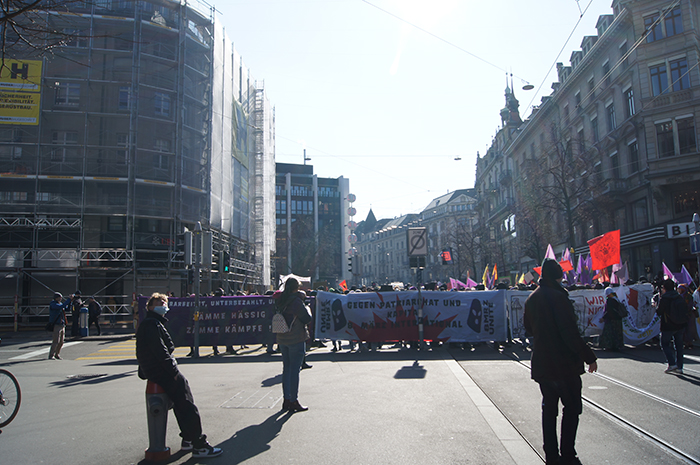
{"x":696,"y":220}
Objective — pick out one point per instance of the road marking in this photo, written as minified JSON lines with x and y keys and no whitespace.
{"x":43,"y":351}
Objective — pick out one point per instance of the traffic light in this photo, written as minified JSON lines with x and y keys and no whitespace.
{"x":350,"y":264}
{"x":225,"y":265}
{"x":190,"y":276}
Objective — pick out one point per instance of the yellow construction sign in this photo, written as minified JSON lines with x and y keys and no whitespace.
{"x":20,"y":91}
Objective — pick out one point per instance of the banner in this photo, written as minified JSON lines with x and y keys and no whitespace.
{"x":223,"y":321}
{"x":589,"y":305}
{"x":395,"y":316}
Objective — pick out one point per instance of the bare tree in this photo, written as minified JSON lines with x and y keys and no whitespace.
{"x":560,"y":192}
{"x":31,"y":28}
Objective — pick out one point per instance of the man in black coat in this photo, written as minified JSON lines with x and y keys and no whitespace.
{"x":154,"y":351}
{"x":558,"y":354}
{"x":671,"y":332}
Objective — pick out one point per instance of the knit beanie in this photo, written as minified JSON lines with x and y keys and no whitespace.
{"x":551,"y":269}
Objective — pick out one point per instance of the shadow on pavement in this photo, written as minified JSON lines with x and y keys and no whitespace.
{"x":98,"y":378}
{"x":255,"y":439}
{"x":271,"y":381}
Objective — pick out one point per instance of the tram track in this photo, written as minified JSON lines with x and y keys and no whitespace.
{"x":616,"y":418}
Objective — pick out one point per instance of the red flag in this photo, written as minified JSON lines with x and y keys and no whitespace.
{"x":566,"y":266}
{"x":538,"y":270}
{"x":343,"y":285}
{"x":605,"y":250}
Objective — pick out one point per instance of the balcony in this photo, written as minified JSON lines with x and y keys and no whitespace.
{"x":614,"y":186}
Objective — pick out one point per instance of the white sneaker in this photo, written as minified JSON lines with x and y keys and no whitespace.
{"x":679,"y":371}
{"x":671,"y":369}
{"x":207,"y":451}
{"x":186,"y":446}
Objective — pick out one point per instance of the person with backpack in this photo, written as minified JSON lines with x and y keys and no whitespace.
{"x":94,"y":312}
{"x":289,"y":324}
{"x":673,"y":312}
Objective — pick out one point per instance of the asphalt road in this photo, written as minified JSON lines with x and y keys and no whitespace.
{"x":440,"y":406}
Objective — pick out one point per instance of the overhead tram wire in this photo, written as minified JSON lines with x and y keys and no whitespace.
{"x":451,"y":44}
{"x":546,"y":76}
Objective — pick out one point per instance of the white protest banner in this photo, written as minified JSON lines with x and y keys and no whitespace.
{"x":394,"y":316}
{"x":589,"y":304}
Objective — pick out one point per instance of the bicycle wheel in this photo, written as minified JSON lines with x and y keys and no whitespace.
{"x":10,"y":397}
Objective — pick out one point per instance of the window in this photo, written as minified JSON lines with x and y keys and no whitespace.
{"x":623,"y":53}
{"x":577,"y":99}
{"x":686,"y":202}
{"x":162,"y":161}
{"x":686,"y":135}
{"x":652,"y":27}
{"x":606,"y":73}
{"x":67,"y":93}
{"x":591,"y":88}
{"x":161,"y":145}
{"x":659,"y":79}
{"x":641,"y":219}
{"x":629,"y":99}
{"x":75,"y":38}
{"x":679,"y":74}
{"x":664,"y":139}
{"x":161,"y":104}
{"x":610,"y":110}
{"x":581,"y":136}
{"x":566,"y":115}
{"x":615,"y":164}
{"x":124,"y":98}
{"x":123,"y":151}
{"x":633,"y":157}
{"x":673,"y":22}
{"x":60,"y":154}
{"x":594,"y":130}
{"x":681,"y":130}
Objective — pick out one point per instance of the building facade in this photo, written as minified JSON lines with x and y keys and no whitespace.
{"x":312,"y":225}
{"x":149,"y":123}
{"x":451,"y":221}
{"x":383,"y":251}
{"x":613,"y":147}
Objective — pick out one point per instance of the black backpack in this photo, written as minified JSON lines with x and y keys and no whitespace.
{"x":679,"y":311}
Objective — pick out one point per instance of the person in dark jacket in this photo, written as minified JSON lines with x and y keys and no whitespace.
{"x":57,"y":316}
{"x":76,"y":304}
{"x":94,"y":312}
{"x":558,"y":354}
{"x":292,"y":344}
{"x":612,"y":337}
{"x":154,"y":351}
{"x":670,"y":331}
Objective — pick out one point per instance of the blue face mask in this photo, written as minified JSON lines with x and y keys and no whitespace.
{"x":161,"y":310}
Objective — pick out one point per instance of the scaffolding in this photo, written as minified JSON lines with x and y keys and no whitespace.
{"x":144,"y":130}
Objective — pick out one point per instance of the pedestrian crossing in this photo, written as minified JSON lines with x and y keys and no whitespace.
{"x":126,"y":350}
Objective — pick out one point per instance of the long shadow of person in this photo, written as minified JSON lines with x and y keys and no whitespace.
{"x":255,"y":439}
{"x":272,"y":381}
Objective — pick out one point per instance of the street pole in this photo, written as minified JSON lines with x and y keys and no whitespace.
{"x":696,"y":220}
{"x":197,"y":266}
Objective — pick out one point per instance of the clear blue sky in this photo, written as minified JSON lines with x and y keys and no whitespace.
{"x":388,"y":105}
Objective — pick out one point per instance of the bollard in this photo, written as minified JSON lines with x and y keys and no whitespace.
{"x":157,"y":405}
{"x":83,"y":322}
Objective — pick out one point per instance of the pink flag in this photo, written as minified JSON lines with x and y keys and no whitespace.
{"x":667,"y":273}
{"x":471,"y":282}
{"x":550,"y":252}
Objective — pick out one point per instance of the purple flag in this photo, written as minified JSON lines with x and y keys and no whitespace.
{"x":687,"y":279}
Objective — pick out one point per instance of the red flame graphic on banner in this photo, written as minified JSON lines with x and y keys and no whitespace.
{"x":403,"y":328}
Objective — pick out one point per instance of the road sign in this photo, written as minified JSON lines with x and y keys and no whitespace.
{"x":417,"y":242}
{"x":695,"y":243}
